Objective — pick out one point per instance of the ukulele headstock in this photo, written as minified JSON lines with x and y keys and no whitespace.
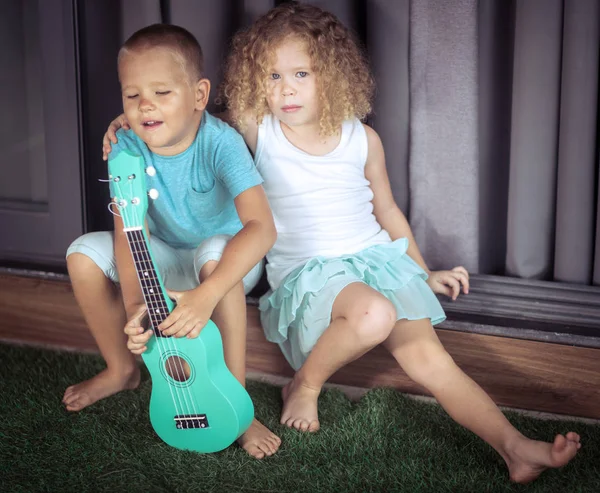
{"x":127,"y":176}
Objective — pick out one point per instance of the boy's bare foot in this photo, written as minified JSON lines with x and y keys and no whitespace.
{"x":300,"y":407}
{"x":259,"y":441}
{"x":102,"y":385}
{"x":527,"y":459}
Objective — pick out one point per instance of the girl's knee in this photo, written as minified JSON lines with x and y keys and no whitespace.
{"x":373,"y":320}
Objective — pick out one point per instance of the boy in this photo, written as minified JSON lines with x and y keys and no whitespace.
{"x":210,"y":223}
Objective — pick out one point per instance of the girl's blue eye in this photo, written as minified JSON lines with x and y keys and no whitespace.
{"x":275,"y":76}
{"x":301,"y":74}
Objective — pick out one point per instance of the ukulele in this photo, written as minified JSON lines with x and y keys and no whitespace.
{"x":196,"y":402}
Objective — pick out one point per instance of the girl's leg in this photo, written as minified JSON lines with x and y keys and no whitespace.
{"x":230,"y":316}
{"x":361,"y":319}
{"x":100,"y":301}
{"x":416,"y":347}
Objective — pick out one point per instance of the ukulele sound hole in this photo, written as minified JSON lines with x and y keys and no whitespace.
{"x":177,"y":368}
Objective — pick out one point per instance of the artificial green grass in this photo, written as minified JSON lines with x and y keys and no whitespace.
{"x":383,"y":443}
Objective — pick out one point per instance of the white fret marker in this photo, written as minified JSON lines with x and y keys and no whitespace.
{"x":146,"y":274}
{"x":158,"y":310}
{"x":151,"y":290}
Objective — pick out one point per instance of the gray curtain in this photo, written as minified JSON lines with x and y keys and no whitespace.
{"x":515,"y":176}
{"x":488,"y":113}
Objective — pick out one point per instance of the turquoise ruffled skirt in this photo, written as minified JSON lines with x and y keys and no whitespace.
{"x":299,"y":310}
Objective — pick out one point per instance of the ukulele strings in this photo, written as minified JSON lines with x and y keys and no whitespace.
{"x":176,"y":398}
{"x":174,"y":361}
{"x":162,"y":309}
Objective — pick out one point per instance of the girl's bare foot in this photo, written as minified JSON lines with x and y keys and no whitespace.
{"x":104,"y":384}
{"x":300,"y":407}
{"x":527,"y":459}
{"x":259,"y":441}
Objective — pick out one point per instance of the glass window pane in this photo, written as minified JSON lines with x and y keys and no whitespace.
{"x":22,"y":150}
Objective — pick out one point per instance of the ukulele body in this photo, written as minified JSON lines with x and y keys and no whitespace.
{"x":207,"y":409}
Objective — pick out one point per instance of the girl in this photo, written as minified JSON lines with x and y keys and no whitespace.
{"x":345,"y":272}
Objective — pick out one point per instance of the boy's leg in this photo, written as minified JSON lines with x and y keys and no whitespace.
{"x":361,"y":319}
{"x":416,"y":347}
{"x":230,"y":317}
{"x":100,"y":301}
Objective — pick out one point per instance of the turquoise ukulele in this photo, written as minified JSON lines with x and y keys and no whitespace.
{"x":196,"y":403}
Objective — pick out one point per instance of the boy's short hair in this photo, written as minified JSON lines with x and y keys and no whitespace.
{"x":175,"y":38}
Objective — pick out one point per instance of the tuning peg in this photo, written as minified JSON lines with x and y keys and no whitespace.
{"x":150,"y":170}
{"x":153,"y":193}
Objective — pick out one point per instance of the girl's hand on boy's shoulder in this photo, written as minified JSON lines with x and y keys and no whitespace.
{"x":449,"y":282}
{"x":192,"y":312}
{"x":111,"y":134}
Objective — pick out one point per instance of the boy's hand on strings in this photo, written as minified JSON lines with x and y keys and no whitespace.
{"x":449,"y":282}
{"x":111,"y":134}
{"x":137,"y":334}
{"x":193,"y":311}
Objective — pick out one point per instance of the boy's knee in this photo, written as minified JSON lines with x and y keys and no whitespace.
{"x":208,"y":254}
{"x":80,"y":262}
{"x":373,"y":320}
{"x":80,"y":266}
{"x":207,"y":269}
{"x":91,"y":254}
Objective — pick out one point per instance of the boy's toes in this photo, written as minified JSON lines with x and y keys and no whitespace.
{"x":255,"y":452}
{"x":563,"y":450}
{"x":259,"y":441}
{"x":573,"y":437}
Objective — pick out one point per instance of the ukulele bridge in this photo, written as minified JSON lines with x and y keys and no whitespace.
{"x":187,"y":421}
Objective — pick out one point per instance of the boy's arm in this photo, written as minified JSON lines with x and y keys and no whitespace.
{"x":244,"y":251}
{"x":386,"y":210}
{"x":248,"y":246}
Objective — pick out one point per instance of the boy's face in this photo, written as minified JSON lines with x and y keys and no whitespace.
{"x":162,"y":105}
{"x":292,"y":85}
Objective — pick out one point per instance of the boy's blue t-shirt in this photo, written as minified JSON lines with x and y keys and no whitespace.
{"x":196,"y":188}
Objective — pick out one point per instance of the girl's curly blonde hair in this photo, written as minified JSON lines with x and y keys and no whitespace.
{"x":345,"y":84}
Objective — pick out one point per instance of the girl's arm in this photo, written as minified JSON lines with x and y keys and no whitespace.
{"x":386,"y":210}
{"x":250,"y":132}
{"x":111,"y":134}
{"x":391,"y":218}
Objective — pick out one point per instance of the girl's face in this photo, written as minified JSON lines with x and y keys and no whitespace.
{"x":292,"y":85}
{"x":159,"y":100}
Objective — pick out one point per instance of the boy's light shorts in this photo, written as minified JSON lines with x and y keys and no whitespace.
{"x":178,"y":268}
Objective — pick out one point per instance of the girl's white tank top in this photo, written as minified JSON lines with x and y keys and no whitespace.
{"x":321,"y":204}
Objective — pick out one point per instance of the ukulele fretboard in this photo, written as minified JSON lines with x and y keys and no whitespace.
{"x":148,"y":277}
